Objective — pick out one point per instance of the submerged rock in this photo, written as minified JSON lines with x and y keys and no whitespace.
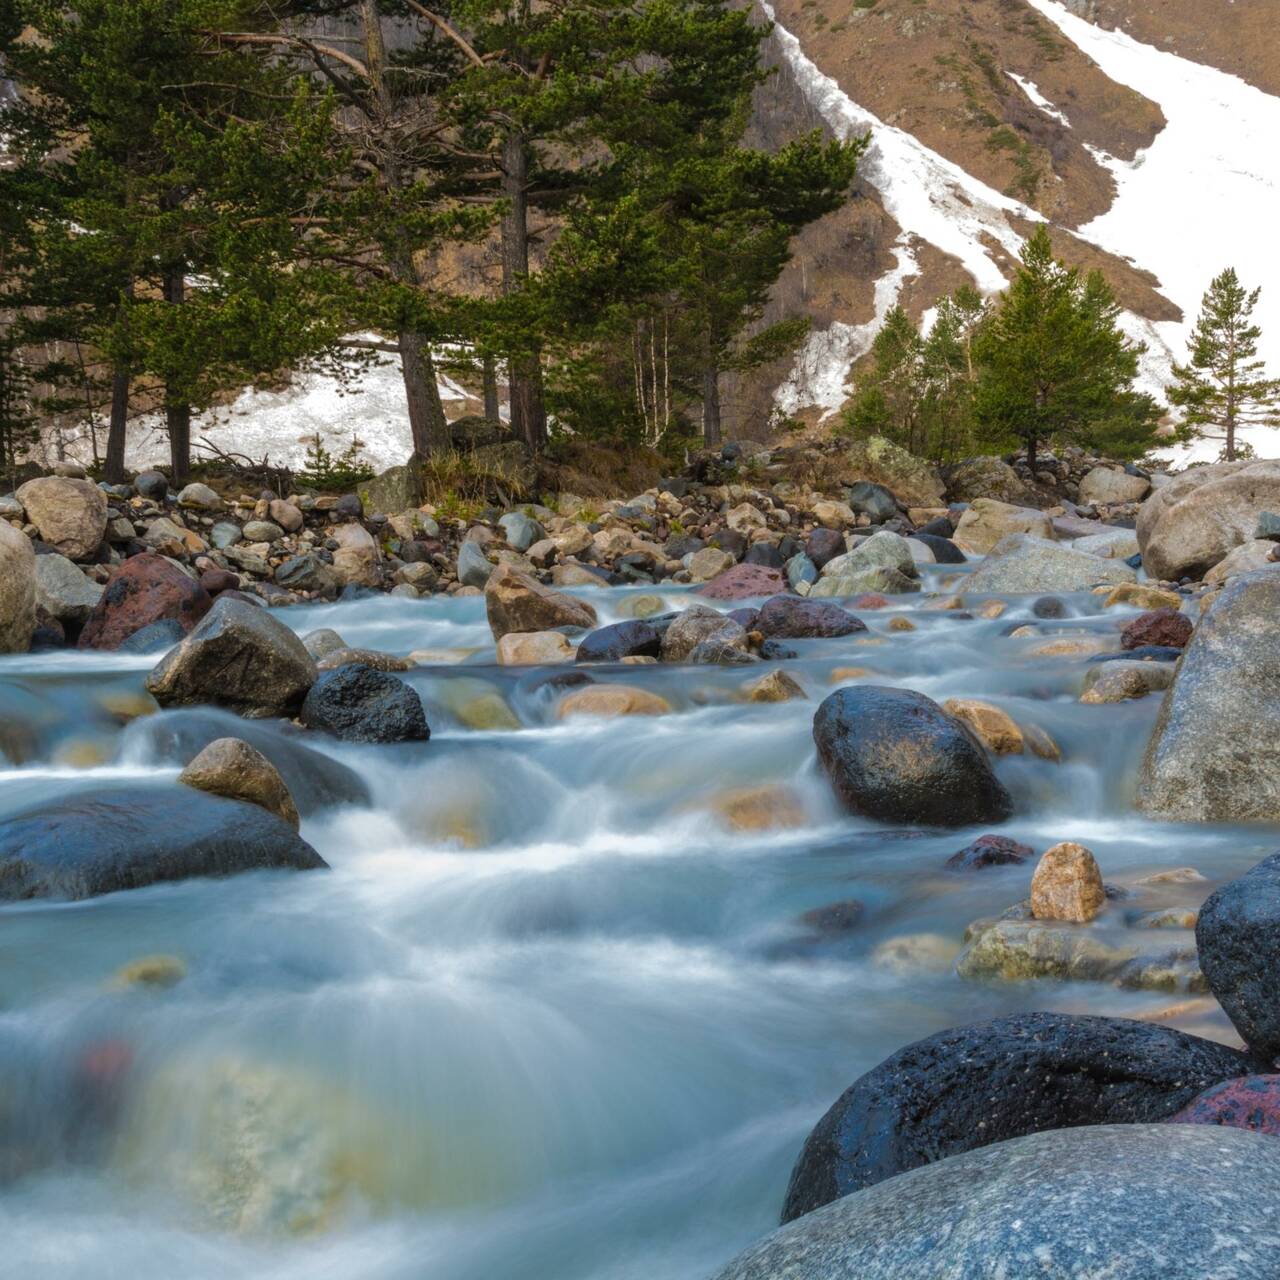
{"x":990,"y":851}
{"x":612,"y":700}
{"x":1128,"y":1201}
{"x":113,"y":838}
{"x":895,"y":755}
{"x":231,"y":767}
{"x":971,"y":1086}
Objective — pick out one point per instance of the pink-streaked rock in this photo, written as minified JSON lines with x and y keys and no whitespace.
{"x":1248,"y":1102}
{"x":744,"y":582}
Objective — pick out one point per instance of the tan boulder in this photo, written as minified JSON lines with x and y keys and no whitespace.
{"x":356,"y":561}
{"x":709,"y":563}
{"x":1123,"y":680}
{"x":834,"y":515}
{"x":532,"y":648}
{"x":1140,"y":595}
{"x":1067,"y":885}
{"x":994,"y":728}
{"x":777,"y":686}
{"x":1248,"y":556}
{"x":987,"y":521}
{"x":1109,"y":486}
{"x":17,"y":590}
{"x":516,"y":601}
{"x":612,"y":700}
{"x":913,"y":481}
{"x":232,"y":768}
{"x":70,"y":515}
{"x":770,"y":807}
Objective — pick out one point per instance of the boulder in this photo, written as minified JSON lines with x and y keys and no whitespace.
{"x":356,"y":561}
{"x":145,"y":589}
{"x":516,"y":601}
{"x":374,"y":658}
{"x":896,"y":756}
{"x":709,"y":563}
{"x":832,"y":517}
{"x":199,"y":497}
{"x":1245,"y":558}
{"x":911,"y":480}
{"x":612,"y":700}
{"x":1202,"y":763}
{"x":286,"y":515}
{"x":358,"y":704}
{"x":17,"y":590}
{"x":1110,"y":486}
{"x":1115,"y":544}
{"x":263,"y":531}
{"x":892,"y":581}
{"x":943,"y":550}
{"x":1238,"y":938}
{"x":1251,"y":1102}
{"x":1067,"y":885}
{"x":1119,"y":681}
{"x":1124,"y":1202}
{"x":474,"y":567}
{"x":152,"y":485}
{"x":872,"y":500}
{"x":238,"y":657}
{"x":315,"y":781}
{"x":777,"y":686}
{"x":125,"y":837}
{"x":883,"y":550}
{"x":521,"y":531}
{"x":322,"y":642}
{"x":987,"y":478}
{"x":971,"y":1086}
{"x":231,"y":767}
{"x":1022,"y":563}
{"x":743,"y":582}
{"x":987,"y":521}
{"x":823,"y":545}
{"x":1164,"y":628}
{"x":798,"y":618}
{"x":63,"y":591}
{"x":990,"y":851}
{"x":696,"y":625}
{"x":532,"y":648}
{"x":394,"y":490}
{"x":308,"y":573}
{"x":70,"y":515}
{"x":633,"y":639}
{"x":1141,"y":595}
{"x":995,"y":728}
{"x":1188,"y":526}
{"x":155,"y":637}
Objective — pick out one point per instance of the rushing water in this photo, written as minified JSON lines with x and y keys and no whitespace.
{"x":547,"y":1018}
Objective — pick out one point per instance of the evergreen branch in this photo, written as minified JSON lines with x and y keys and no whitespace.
{"x":446,"y":29}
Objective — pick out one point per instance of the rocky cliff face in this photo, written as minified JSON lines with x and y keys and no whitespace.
{"x":1140,"y":130}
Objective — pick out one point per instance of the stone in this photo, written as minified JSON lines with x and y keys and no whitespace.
{"x":156,"y":972}
{"x":521,"y":531}
{"x":70,"y":515}
{"x":231,"y":767}
{"x":990,"y":851}
{"x":911,"y":954}
{"x":1116,"y":544}
{"x":63,"y":590}
{"x":1040,"y":744}
{"x":529,"y":648}
{"x":1127,"y":1202}
{"x":1238,"y":938}
{"x":516,"y":601}
{"x":217,"y":580}
{"x":746,"y":519}
{"x":986,"y":522}
{"x":766,"y":554}
{"x":1035,"y":950}
{"x":1165,"y":628}
{"x":199,"y":497}
{"x":635,"y":638}
{"x":17,"y":590}
{"x":777,"y":686}
{"x":797,"y":618}
{"x":356,"y":703}
{"x":1245,"y":558}
{"x":473,"y":567}
{"x":322,"y":642}
{"x":612,"y":700}
{"x":572,"y":574}
{"x":696,"y":625}
{"x":943,"y":550}
{"x":872,"y":500}
{"x":911,"y":480}
{"x":1108,"y":486}
{"x":224,"y":534}
{"x":357,"y":560}
{"x":152,"y":485}
{"x":155,"y":637}
{"x":834,"y":918}
{"x":883,"y":550}
{"x":1067,"y":885}
{"x":709,"y":563}
{"x":968,"y":1087}
{"x":1023,"y":563}
{"x":239,"y":657}
{"x":896,"y":756}
{"x":125,"y":837}
{"x":865,"y":581}
{"x":286,"y":515}
{"x":772,"y":807}
{"x":393,"y":490}
{"x":823,"y":545}
{"x":1141,"y":595}
{"x":1120,"y":681}
{"x":317,"y":782}
{"x":994,"y":728}
{"x":743,"y":582}
{"x":1251,"y":1102}
{"x":146,"y":589}
{"x":374,"y":658}
{"x":263,"y":531}
{"x":419,"y":575}
{"x":172,"y":539}
{"x":976,"y":478}
{"x":309,"y":573}
{"x":833,"y":517}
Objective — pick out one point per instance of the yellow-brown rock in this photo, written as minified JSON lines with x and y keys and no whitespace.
{"x":1067,"y":885}
{"x":612,"y":700}
{"x":994,"y":728}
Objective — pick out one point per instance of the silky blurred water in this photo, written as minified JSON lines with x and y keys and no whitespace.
{"x":547,"y":1017}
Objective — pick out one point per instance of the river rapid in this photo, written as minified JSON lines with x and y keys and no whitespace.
{"x":547,"y":1017}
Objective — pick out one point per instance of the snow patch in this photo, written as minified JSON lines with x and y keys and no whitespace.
{"x":1032,"y":92}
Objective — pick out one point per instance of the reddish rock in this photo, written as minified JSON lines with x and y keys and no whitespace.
{"x":1166,"y":627}
{"x":990,"y":851}
{"x":215,"y":580}
{"x":824,"y":545}
{"x":145,"y":589}
{"x":871,"y":600}
{"x":1248,"y":1102}
{"x":744,"y":582}
{"x":798,"y":618}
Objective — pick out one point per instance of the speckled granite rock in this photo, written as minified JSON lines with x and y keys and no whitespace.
{"x":1113,"y":1202}
{"x":970,"y":1086}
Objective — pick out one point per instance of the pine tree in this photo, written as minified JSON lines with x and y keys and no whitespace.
{"x":1054,"y":363}
{"x":1225,"y":387}
{"x":889,"y":398}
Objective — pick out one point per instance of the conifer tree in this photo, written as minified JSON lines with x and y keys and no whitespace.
{"x":1224,"y":386}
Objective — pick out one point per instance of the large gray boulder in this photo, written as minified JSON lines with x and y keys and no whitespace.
{"x":1204,"y":762}
{"x":1111,"y":1202}
{"x":63,"y":590}
{"x":17,"y":590}
{"x":987,"y":477}
{"x":1188,"y":526}
{"x":1107,"y":486}
{"x":883,"y":550}
{"x":124,"y":837}
{"x":1021,"y":562}
{"x":239,"y":657}
{"x":987,"y":521}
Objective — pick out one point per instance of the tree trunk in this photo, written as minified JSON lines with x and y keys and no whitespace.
{"x":428,"y":426}
{"x":114,"y":468}
{"x":710,"y":395}
{"x":1031,"y":456}
{"x":528,"y":414}
{"x":177,"y":410}
{"x":492,"y":408}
